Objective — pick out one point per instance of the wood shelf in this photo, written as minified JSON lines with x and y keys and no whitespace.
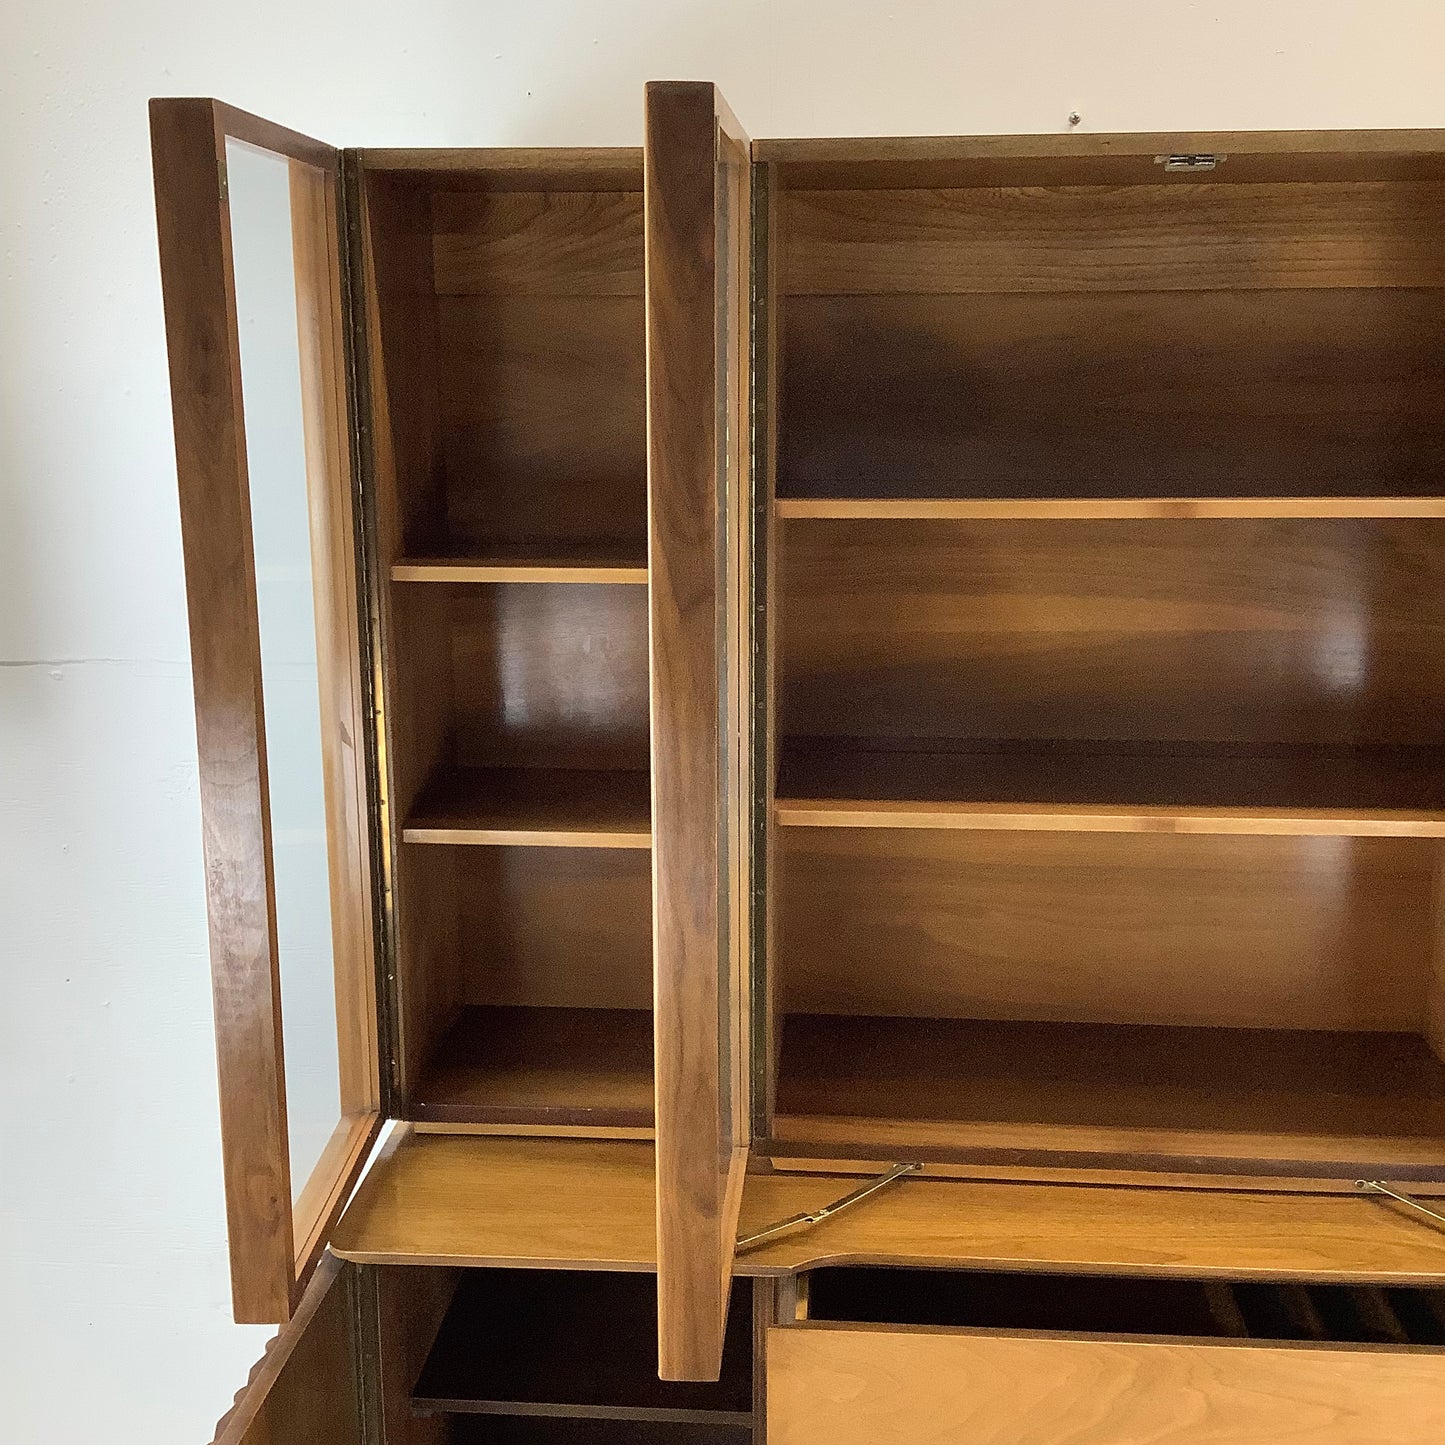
{"x":596,"y":563}
{"x":1098,"y":509}
{"x":446,"y":1200}
{"x":534,"y":807}
{"x":574,"y":1345}
{"x":1341,"y":792}
{"x":541,"y":1067}
{"x":1313,"y":1103}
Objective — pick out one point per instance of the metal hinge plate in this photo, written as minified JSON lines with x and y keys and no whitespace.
{"x":1190,"y":162}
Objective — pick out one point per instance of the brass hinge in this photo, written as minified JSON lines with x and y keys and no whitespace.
{"x":817,"y":1216}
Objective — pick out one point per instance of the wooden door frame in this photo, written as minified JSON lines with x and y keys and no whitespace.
{"x":275,"y":1243}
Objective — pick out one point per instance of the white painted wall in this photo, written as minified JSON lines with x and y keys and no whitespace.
{"x":114,"y":1310}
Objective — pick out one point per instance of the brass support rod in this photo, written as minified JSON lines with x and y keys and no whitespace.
{"x":1374,"y":1186}
{"x":817,"y":1216}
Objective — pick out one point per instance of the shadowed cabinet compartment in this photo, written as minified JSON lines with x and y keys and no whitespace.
{"x":881,"y":1355}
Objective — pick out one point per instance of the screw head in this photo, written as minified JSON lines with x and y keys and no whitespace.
{"x":1074,"y":117}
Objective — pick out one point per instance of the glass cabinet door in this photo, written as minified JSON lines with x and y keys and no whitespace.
{"x":250,"y":237}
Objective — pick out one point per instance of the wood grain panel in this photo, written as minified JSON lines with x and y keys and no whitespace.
{"x":533,"y":807}
{"x":543,"y":418}
{"x":399,"y":331}
{"x":1322,"y":1105}
{"x":403,"y":458}
{"x":840,"y":163}
{"x":877,"y":1386}
{"x":1140,"y":394}
{"x":1244,"y":932}
{"x":562,"y":927}
{"x":556,"y":1066}
{"x":696,"y":229}
{"x":538,"y":243}
{"x":409,"y":1304}
{"x":549,"y":676}
{"x":306,"y":1390}
{"x":1287,"y":631}
{"x":543,"y":1203}
{"x":576,"y":1203}
{"x":1189,"y":237}
{"x":1125,"y":1230}
{"x":517,"y":168}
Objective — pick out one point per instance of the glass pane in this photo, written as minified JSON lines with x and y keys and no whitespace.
{"x":271,"y":384}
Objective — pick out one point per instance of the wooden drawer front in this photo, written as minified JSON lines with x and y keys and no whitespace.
{"x":877,"y":1385}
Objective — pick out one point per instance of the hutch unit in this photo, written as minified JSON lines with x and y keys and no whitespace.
{"x":730,"y":670}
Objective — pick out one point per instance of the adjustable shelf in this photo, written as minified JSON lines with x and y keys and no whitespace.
{"x":593,"y":563}
{"x":533,"y":807}
{"x":546,"y":1067}
{"x":1098,"y":509}
{"x":1341,"y":792}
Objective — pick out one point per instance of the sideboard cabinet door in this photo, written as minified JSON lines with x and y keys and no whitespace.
{"x":306,"y":1388}
{"x":697,"y":166}
{"x":250,"y":245}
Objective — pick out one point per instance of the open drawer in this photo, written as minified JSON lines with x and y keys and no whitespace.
{"x":875,"y":1356}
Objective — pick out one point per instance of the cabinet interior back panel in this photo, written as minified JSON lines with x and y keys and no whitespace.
{"x":1238,"y":932}
{"x":542,"y":417}
{"x":555,"y":927}
{"x":513,"y":326}
{"x":1194,"y":339}
{"x":1242,"y":632}
{"x":550,"y":676}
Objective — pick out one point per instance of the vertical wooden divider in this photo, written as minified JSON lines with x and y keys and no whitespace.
{"x":696,"y":168}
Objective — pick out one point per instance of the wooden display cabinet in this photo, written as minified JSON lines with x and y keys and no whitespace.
{"x":731,"y":667}
{"x":1105,"y":681}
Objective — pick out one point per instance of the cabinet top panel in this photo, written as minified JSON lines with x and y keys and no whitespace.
{"x":809,"y":163}
{"x":515,"y":168}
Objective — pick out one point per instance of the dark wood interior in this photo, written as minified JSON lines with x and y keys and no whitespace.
{"x":505,"y":353}
{"x":1105,"y":671}
{"x":1100,"y":1305}
{"x":581,"y":1345}
{"x":529,"y":1430}
{"x":1181,"y":339}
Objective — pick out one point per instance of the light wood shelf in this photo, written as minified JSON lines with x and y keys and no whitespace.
{"x":1097,"y":509}
{"x":1332,"y":1103}
{"x":533,"y":807}
{"x":542,"y":1067}
{"x":442,"y":1199}
{"x":593,"y":563}
{"x":1337,"y":792}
